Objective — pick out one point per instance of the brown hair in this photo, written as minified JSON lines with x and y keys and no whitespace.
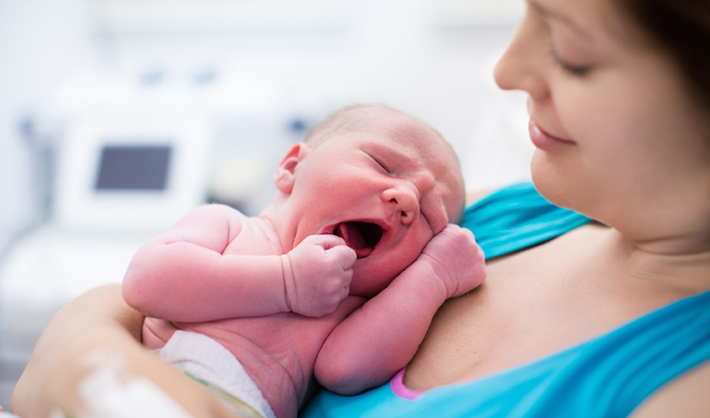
{"x":682,"y":29}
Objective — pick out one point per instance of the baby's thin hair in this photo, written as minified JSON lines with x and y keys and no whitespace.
{"x":354,"y":118}
{"x":344,"y":120}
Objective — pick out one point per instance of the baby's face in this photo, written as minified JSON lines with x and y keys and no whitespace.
{"x":386,"y":191}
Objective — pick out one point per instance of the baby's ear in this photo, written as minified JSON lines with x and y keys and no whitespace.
{"x":285,"y":175}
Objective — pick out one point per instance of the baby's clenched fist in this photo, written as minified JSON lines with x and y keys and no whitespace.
{"x":317,"y":274}
{"x":456,"y":258}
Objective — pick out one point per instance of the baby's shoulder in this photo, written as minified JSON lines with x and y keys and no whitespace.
{"x":217,"y":210}
{"x":214,"y":221}
{"x":212,"y":214}
{"x":254,"y":236}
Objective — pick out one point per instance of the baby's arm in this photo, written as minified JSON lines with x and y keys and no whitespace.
{"x":183,"y":275}
{"x":381,"y":337}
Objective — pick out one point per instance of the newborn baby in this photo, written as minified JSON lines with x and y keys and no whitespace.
{"x":337,"y":279}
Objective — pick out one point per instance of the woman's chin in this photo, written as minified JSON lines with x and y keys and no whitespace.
{"x":568,"y":189}
{"x":550,"y":181}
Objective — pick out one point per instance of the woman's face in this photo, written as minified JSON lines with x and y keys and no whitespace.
{"x":617,"y":136}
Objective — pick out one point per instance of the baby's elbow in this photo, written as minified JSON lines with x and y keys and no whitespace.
{"x":131,"y":293}
{"x":134,"y":290}
{"x":340,"y":377}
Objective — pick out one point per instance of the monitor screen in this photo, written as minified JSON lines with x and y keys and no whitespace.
{"x":133,"y":168}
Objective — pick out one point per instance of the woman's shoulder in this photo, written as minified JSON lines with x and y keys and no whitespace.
{"x":685,"y":396}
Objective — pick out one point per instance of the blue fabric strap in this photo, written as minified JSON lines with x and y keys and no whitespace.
{"x":611,"y":375}
{"x":517,"y":217}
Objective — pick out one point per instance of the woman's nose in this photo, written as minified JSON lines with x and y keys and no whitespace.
{"x":405,"y":199}
{"x":520,"y":66}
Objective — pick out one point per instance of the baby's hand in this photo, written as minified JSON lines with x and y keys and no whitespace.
{"x":317,"y":274}
{"x":456,"y":258}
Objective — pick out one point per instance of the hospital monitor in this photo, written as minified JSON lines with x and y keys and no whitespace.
{"x":127,"y":168}
{"x":130,"y":174}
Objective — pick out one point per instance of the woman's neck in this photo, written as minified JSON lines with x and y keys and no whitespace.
{"x":682,"y":264}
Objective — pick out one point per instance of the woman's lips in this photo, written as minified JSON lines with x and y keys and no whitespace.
{"x":545,"y":141}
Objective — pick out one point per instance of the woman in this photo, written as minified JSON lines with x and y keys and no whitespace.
{"x":600,"y":321}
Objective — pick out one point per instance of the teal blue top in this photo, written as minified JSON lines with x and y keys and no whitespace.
{"x":607,"y":376}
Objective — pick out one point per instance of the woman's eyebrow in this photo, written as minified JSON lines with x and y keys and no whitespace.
{"x":553,"y":14}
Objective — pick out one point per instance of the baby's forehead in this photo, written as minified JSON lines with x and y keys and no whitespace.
{"x":399,"y":132}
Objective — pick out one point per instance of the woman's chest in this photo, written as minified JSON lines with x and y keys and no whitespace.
{"x":533,"y":304}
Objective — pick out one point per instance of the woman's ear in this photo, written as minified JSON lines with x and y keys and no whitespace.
{"x":285,"y":175}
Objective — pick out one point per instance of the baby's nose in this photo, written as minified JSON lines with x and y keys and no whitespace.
{"x":405,"y":199}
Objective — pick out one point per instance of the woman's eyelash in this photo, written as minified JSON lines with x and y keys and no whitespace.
{"x":573,"y":70}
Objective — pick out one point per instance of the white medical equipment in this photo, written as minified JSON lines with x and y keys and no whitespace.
{"x":120,"y":180}
{"x":130,"y":175}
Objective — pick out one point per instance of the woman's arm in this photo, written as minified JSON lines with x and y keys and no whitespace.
{"x":98,"y":324}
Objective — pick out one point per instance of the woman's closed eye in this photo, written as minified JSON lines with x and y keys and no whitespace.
{"x":560,"y":33}
{"x":570,"y":69}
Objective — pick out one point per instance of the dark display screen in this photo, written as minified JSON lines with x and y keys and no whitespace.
{"x":134,"y":167}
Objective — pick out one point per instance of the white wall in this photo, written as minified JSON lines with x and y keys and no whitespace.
{"x":41,"y":43}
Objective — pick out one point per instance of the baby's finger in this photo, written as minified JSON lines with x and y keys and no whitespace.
{"x":346,"y":284}
{"x":329,"y":241}
{"x":345,"y":255}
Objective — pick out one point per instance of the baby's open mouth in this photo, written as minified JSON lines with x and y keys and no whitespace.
{"x":360,"y":236}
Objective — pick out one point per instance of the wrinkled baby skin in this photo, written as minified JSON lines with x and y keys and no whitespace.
{"x":340,"y":275}
{"x":386,"y":189}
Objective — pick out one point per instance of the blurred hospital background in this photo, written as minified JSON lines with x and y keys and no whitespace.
{"x":119,"y":116}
